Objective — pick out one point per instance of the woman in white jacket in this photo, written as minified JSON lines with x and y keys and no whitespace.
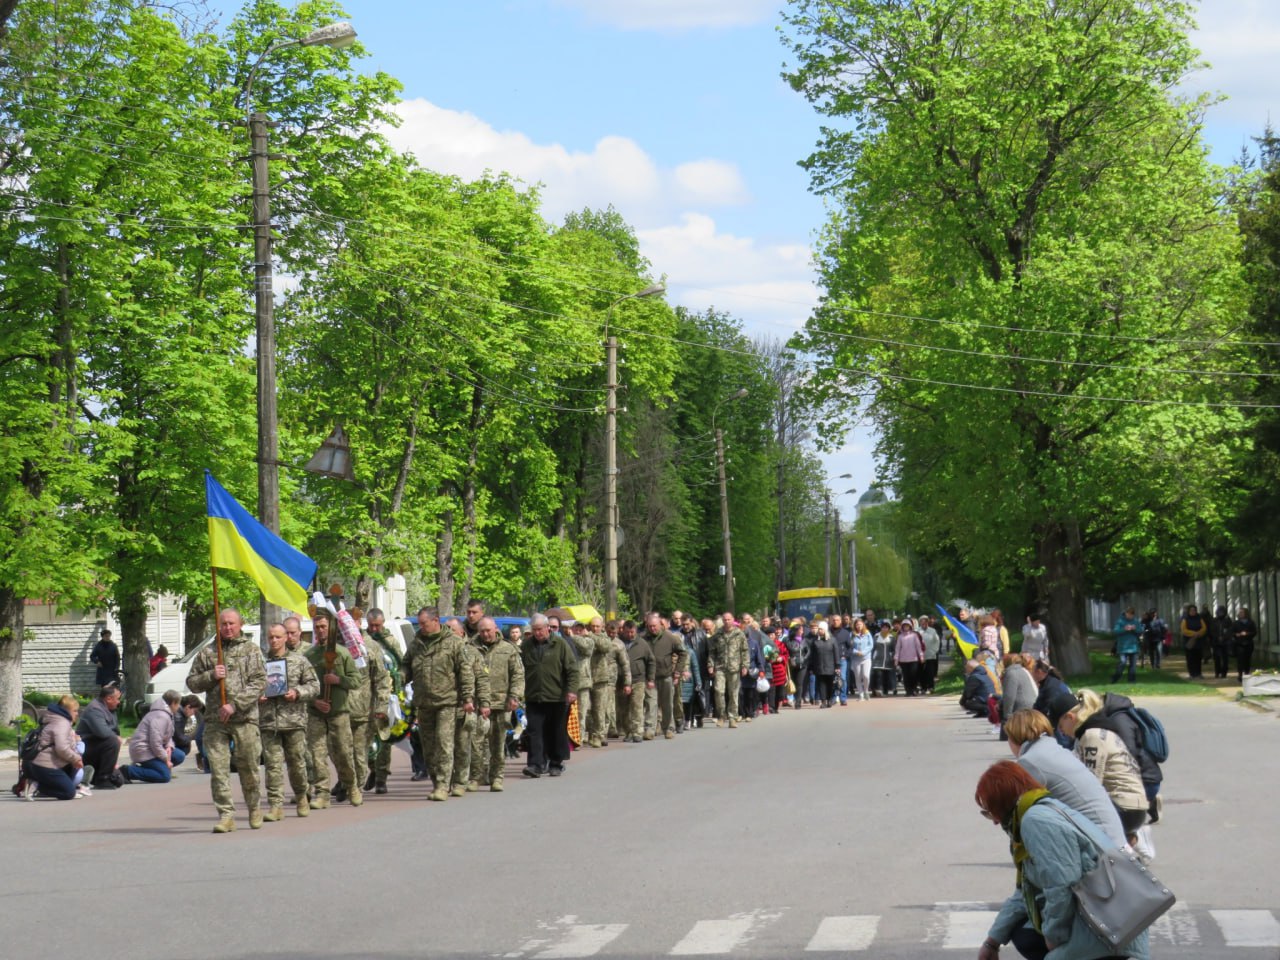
{"x":1105,"y":754}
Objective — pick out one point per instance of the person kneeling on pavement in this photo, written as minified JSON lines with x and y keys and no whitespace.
{"x":99,"y":728}
{"x":55,"y":767}
{"x":152,"y":753}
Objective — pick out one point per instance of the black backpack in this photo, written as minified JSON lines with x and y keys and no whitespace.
{"x":29,"y":749}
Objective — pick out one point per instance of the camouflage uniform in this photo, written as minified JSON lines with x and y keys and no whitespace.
{"x":382,"y":760}
{"x":631,"y":708}
{"x":369,"y":697}
{"x":671,"y":660}
{"x":246,"y":679}
{"x":329,"y":734}
{"x":618,"y":670}
{"x":442,"y":674}
{"x":584,"y":646}
{"x":609,"y":669}
{"x":728,"y":656}
{"x":471,"y":729}
{"x":284,"y":731}
{"x":506,"y":682}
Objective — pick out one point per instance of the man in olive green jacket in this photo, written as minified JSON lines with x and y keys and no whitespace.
{"x":506,"y":693}
{"x":550,"y":686}
{"x":329,"y":719}
{"x":283,"y":721}
{"x":643,"y":671}
{"x":443,"y":684}
{"x":671,"y":660}
{"x":243,"y":676}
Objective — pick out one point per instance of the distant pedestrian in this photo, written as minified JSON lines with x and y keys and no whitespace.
{"x":1193,"y":629}
{"x":1035,"y":637}
{"x":1127,"y":631}
{"x":1154,"y":631}
{"x":106,"y":657}
{"x":159,"y":660}
{"x":1220,"y":641}
{"x":932,"y":647}
{"x":909,"y":655}
{"x":1243,"y":632}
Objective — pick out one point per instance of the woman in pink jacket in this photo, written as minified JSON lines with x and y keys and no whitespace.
{"x":53,"y":769}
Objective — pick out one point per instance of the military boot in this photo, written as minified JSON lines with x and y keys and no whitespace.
{"x":304,"y":806}
{"x":496,"y":786}
{"x":255,"y":818}
{"x":438,"y":794}
{"x":370,"y":781}
{"x":274,"y":814}
{"x":594,"y":742}
{"x":321,"y":802}
{"x":380,"y":787}
{"x":357,"y":797}
{"x":458,"y":790}
{"x":226,"y":825}
{"x":648,"y":735}
{"x":473,"y":786}
{"x":733,"y":722}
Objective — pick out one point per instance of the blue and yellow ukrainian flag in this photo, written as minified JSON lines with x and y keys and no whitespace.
{"x":966,"y":641}
{"x":239,"y":542}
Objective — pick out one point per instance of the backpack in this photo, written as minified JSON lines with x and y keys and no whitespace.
{"x":1154,"y":740}
{"x":30,"y":746}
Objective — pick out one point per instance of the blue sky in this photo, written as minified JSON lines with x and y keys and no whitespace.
{"x":674,"y":112}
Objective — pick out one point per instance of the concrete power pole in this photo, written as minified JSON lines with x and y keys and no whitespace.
{"x":611,"y":482}
{"x":724,"y":525}
{"x":264,"y":304}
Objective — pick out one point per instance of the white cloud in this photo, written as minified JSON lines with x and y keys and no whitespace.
{"x":1241,"y":42}
{"x":616,"y":170}
{"x":674,"y":14}
{"x":770,"y":286}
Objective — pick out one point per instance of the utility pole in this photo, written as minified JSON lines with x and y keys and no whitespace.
{"x":839,"y":582}
{"x":724,"y":524}
{"x":826,"y":560}
{"x":264,"y":306}
{"x":611,"y":482}
{"x":853,"y":567}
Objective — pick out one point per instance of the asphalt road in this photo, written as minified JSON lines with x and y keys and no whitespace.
{"x":815,"y":833}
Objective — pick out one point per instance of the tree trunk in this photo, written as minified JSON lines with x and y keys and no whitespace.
{"x":444,"y":564}
{"x":195,"y":623}
{"x":132,"y":615}
{"x":13,"y":627}
{"x":1060,"y":590}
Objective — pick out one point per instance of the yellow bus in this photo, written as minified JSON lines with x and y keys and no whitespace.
{"x":812,"y":603}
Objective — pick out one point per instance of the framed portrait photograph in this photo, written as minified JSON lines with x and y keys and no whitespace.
{"x":277,"y":678}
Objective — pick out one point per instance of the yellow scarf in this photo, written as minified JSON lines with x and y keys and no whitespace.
{"x":1019,"y":851}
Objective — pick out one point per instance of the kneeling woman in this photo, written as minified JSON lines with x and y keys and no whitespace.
{"x":1052,"y":846}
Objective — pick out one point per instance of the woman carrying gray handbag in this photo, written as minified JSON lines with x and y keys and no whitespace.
{"x":1057,"y":856}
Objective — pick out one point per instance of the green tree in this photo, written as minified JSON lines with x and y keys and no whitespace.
{"x":1030,"y":260}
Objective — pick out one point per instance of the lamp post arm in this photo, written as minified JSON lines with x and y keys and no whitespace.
{"x":253,"y":71}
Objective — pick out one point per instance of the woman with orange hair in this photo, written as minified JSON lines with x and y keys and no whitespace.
{"x":1052,"y":846}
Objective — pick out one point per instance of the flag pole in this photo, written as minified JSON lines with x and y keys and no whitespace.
{"x":217,"y":634}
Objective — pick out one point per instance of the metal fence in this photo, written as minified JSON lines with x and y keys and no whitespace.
{"x":1260,"y":592}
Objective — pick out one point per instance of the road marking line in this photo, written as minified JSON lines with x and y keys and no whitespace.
{"x":1177,"y":928}
{"x":1248,"y":928}
{"x":960,"y":924}
{"x":836,"y":934}
{"x":583,"y":940}
{"x":713,"y":936}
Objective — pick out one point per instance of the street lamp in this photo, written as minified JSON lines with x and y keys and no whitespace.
{"x":853,"y":551}
{"x":611,"y":452}
{"x":724,"y":502}
{"x":332,"y":35}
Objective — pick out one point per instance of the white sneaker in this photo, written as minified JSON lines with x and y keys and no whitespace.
{"x":83,"y":791}
{"x":29,"y":790}
{"x":1144,"y":844}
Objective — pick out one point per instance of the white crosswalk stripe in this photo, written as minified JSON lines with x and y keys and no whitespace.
{"x":959,"y":925}
{"x":838,"y":934}
{"x":1248,"y":928}
{"x":722,"y":936}
{"x":1177,"y":928}
{"x":949,"y":926}
{"x":583,"y":940}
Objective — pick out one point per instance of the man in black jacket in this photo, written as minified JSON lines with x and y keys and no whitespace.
{"x":100,"y":730}
{"x":106,"y":657}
